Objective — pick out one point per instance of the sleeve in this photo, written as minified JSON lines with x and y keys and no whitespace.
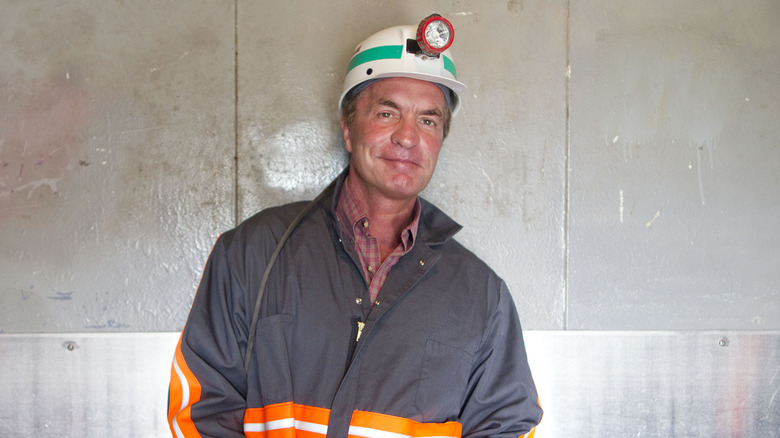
{"x":502,"y":401}
{"x":208,"y":385}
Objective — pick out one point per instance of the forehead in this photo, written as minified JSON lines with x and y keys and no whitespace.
{"x":405,"y":92}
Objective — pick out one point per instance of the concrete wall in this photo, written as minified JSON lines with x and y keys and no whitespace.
{"x":615,"y":161}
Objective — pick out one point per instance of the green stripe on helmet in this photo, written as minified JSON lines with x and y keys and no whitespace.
{"x":449,"y":66}
{"x":374,"y":54}
{"x":390,"y":52}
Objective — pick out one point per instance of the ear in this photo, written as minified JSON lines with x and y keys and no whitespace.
{"x":345,"y":132}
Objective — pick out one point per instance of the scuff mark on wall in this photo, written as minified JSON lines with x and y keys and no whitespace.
{"x":489,"y":180}
{"x":42,"y":131}
{"x":165,"y":64}
{"x":110,"y":324}
{"x":649,"y":224}
{"x":32,"y":186}
{"x":62,"y":296}
{"x":774,"y":395}
{"x":698,"y":174}
{"x":515,"y":6}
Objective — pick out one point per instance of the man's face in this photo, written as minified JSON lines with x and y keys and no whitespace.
{"x":395,"y":137}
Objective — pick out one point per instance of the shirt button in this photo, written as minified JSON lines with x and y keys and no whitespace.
{"x":358,"y":301}
{"x":365,"y":224}
{"x":370,"y":268}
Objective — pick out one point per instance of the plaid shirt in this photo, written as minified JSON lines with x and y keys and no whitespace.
{"x":357,"y":226}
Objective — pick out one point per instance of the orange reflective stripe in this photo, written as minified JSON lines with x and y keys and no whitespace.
{"x":374,"y":425}
{"x":183,"y":393}
{"x":529,"y":434}
{"x":286,"y":420}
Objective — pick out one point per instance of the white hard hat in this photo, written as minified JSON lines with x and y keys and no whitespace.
{"x":417,"y":52}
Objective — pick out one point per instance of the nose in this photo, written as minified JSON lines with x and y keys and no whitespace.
{"x":406,"y":134}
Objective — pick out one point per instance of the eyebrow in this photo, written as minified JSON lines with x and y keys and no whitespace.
{"x":387,"y":102}
{"x":431,"y":112}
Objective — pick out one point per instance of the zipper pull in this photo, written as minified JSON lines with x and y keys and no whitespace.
{"x":360,"y":325}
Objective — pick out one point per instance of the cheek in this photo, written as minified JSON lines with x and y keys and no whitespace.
{"x":369,"y":142}
{"x":433,"y":149}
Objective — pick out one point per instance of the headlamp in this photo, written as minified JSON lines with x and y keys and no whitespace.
{"x":434,"y":35}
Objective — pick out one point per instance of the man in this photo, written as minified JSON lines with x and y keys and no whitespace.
{"x":371,"y":320}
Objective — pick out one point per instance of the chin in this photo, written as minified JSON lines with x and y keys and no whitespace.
{"x":405,"y":191}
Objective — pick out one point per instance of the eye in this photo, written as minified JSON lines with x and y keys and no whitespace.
{"x":385,"y":115}
{"x":429,"y":122}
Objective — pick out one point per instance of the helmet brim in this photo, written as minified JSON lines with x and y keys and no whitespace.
{"x":454,"y":86}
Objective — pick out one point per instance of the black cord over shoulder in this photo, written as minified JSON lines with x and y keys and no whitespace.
{"x":261,"y":290}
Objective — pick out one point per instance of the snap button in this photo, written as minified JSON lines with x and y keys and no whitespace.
{"x":358,"y":301}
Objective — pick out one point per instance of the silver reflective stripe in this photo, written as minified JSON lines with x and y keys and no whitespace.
{"x":311,"y":427}
{"x":376,"y":433}
{"x":286,"y":423}
{"x":270,"y":425}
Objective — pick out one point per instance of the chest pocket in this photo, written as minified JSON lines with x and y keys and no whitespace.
{"x":443,"y":381}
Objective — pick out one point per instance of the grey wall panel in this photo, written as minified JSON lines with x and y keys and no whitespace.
{"x":116,"y":160}
{"x":610,"y":384}
{"x":675,"y":147}
{"x":501,"y":172}
{"x":657,"y":384}
{"x":85,"y":385}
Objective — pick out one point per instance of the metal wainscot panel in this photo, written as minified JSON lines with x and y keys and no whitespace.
{"x":605,"y":384}
{"x":657,"y":384}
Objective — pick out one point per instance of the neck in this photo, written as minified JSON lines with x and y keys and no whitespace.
{"x":388,"y":216}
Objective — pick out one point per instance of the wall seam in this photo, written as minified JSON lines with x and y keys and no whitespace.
{"x":236,"y":217}
{"x":567,"y":147}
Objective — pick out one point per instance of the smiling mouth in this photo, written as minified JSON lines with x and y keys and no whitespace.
{"x":401,"y":165}
{"x":401,"y":161}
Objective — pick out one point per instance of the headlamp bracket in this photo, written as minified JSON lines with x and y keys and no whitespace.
{"x":413,"y":47}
